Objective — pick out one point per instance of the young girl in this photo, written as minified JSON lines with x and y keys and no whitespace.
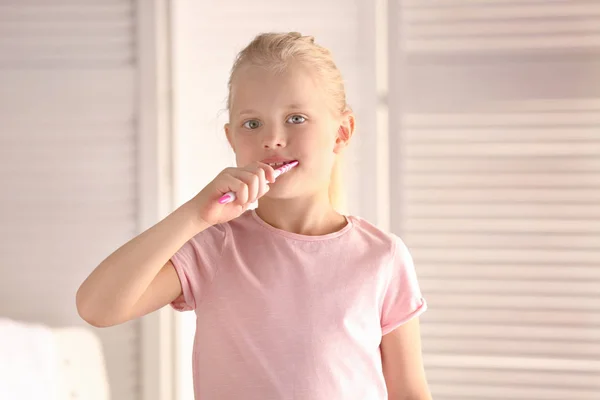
{"x":293,"y":300}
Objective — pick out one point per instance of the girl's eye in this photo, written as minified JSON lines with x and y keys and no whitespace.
{"x":252,"y":124}
{"x":296,"y":119}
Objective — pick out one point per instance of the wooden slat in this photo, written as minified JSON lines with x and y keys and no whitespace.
{"x":507,"y":378}
{"x":501,"y":135}
{"x":507,"y":255}
{"x":502,"y":27}
{"x":44,"y":11}
{"x":428,"y":164}
{"x":521,"y":271}
{"x":516,"y":180}
{"x":513,"y":363}
{"x":541,"y":348}
{"x":448,"y":46}
{"x":503,"y":210}
{"x":504,"y":11}
{"x":496,"y":301}
{"x":503,"y":119}
{"x":495,"y":195}
{"x":583,"y":289}
{"x":517,"y":225}
{"x":505,"y":149}
{"x":537,"y":317}
{"x":485,"y":392}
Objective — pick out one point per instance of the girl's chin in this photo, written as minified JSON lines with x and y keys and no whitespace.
{"x":280,"y":191}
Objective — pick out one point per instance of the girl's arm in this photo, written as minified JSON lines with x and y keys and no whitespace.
{"x":138,"y":278}
{"x":403,"y":363}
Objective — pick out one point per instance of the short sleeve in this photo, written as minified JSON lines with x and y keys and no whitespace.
{"x":196,"y":264}
{"x":403,"y":299}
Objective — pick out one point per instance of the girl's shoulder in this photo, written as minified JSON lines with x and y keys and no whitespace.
{"x":375,"y":236}
{"x":367,"y":227}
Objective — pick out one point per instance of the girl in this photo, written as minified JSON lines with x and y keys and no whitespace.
{"x":293,"y":300}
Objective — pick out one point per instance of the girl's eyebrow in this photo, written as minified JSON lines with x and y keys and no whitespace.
{"x":248,"y":111}
{"x":294,"y":106}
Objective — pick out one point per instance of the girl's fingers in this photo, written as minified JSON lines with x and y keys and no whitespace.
{"x":249,"y":183}
{"x":231,"y":182}
{"x":268,"y":170}
{"x":263,"y":182}
{"x":253,"y":182}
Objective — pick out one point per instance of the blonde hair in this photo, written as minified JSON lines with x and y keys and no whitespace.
{"x":276,"y":51}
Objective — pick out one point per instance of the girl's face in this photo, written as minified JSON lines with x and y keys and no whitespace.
{"x":286,"y":116}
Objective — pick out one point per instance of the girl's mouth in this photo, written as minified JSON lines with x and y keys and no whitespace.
{"x":276,"y":165}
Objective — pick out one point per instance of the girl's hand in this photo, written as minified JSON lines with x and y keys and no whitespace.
{"x":249,"y":184}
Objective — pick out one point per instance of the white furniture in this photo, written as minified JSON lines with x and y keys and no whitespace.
{"x":50,"y":363}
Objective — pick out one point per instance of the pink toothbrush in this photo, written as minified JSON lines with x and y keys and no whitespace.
{"x":230,"y":196}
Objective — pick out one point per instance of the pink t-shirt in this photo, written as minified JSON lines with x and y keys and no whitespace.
{"x":288,"y":316}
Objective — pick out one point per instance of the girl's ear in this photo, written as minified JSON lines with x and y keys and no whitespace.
{"x":228,"y":134}
{"x":345,"y":131}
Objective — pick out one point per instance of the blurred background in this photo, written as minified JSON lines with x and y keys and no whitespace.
{"x":478,"y":141}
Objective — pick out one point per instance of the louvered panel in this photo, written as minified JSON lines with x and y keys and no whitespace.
{"x":520,"y":271}
{"x":489,"y":392}
{"x":545,"y":256}
{"x":499,"y":301}
{"x":509,"y":287}
{"x":499,"y":152}
{"x":57,"y":34}
{"x":511,"y":241}
{"x":517,"y":195}
{"x":504,"y":210}
{"x":68,"y":160}
{"x":494,"y":226}
{"x":445,"y":27}
{"x":548,"y":133}
{"x":508,"y":347}
{"x":508,"y":363}
{"x":532,"y":378}
{"x":526,"y":180}
{"x":426,"y":164}
{"x":499,"y":377}
{"x":524,"y":317}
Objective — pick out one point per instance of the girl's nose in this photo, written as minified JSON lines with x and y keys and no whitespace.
{"x":273,"y":138}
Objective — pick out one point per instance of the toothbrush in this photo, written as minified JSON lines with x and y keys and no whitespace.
{"x":230,"y":196}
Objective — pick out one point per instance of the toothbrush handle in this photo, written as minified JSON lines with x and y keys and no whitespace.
{"x":227,"y":198}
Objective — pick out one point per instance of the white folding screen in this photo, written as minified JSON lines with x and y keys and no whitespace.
{"x":67,"y":161}
{"x":495,"y":149}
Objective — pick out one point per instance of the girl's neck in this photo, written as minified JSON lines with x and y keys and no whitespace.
{"x":312,"y":216}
